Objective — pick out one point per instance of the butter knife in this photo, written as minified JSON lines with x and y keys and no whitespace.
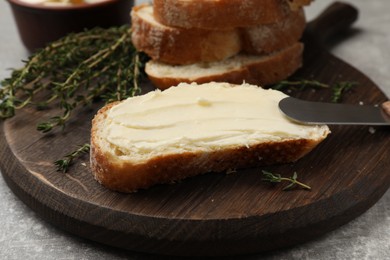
{"x":308,"y":112}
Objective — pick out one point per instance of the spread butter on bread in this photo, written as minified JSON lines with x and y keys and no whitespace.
{"x":188,"y":130}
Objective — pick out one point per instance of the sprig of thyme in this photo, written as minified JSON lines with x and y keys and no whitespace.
{"x":298,"y":85}
{"x":63,"y":164}
{"x":339,"y":89}
{"x":73,"y":72}
{"x":277,"y":178}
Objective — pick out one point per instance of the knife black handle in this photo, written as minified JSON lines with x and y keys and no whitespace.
{"x":334,"y":20}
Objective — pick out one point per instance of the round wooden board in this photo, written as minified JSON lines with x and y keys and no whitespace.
{"x":212,"y":214}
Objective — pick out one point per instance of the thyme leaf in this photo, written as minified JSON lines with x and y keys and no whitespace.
{"x":339,"y":89}
{"x":298,"y":85}
{"x":64,"y":164}
{"x":277,"y":178}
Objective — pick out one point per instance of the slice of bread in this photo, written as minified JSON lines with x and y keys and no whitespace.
{"x":254,"y":69}
{"x":180,"y":46}
{"x":222,"y":14}
{"x":165,"y":136}
{"x":268,"y":38}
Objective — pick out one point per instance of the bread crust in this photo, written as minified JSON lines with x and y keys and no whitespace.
{"x":296,"y":4}
{"x":178,"y":46}
{"x":182,"y":46}
{"x":269,"y":70}
{"x":213,"y":14}
{"x":125,"y":176}
{"x":264,"y":39}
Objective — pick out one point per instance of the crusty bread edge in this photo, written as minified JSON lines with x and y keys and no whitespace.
{"x":278,"y":66}
{"x":125,"y":176}
{"x":182,"y":46}
{"x":296,"y":4}
{"x":223,"y":14}
{"x":268,"y":38}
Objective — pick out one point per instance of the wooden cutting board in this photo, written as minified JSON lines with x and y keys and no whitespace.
{"x":213,"y":214}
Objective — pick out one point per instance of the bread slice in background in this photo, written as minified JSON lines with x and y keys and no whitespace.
{"x":165,"y":136}
{"x":180,"y":46}
{"x":218,"y":14}
{"x":222,"y":14}
{"x":268,"y":38}
{"x":254,"y":69}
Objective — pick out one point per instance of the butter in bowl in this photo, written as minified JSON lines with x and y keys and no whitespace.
{"x":42,"y":21}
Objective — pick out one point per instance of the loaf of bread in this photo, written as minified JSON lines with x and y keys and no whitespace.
{"x":166,"y":136}
{"x":174,"y":45}
{"x":261,"y":51}
{"x":180,"y":46}
{"x":222,"y":14}
{"x":254,"y":69}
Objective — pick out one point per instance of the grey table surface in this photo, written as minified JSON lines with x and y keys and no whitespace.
{"x":24,"y":235}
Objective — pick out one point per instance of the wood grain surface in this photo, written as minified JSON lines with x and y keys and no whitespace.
{"x":216,"y":213}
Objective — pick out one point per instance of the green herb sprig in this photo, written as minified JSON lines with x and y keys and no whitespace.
{"x":277,"y":178}
{"x":298,"y":85}
{"x":337,"y":89}
{"x":73,"y":72}
{"x":64,"y":164}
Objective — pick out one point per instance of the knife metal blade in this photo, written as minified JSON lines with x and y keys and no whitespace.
{"x":309,"y":112}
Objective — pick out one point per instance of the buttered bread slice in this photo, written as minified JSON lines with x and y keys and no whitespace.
{"x":165,"y":136}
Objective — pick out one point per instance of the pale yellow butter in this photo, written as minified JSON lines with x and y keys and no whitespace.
{"x":201,"y":117}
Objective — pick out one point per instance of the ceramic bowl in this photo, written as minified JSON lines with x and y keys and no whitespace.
{"x":39,"y":24}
